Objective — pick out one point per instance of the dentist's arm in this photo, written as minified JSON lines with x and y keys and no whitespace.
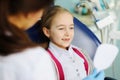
{"x":95,"y":75}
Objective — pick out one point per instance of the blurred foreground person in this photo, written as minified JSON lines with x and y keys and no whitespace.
{"x":20,"y":59}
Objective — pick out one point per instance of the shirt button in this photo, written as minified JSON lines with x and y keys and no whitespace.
{"x":78,"y":74}
{"x":70,"y":57}
{"x":76,"y":70}
{"x":73,"y":61}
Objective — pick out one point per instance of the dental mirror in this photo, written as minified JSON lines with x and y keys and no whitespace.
{"x":105,"y":55}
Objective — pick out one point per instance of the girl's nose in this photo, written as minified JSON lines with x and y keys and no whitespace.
{"x":67,"y":32}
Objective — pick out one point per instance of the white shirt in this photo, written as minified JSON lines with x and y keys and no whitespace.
{"x":30,"y":64}
{"x":72,"y":64}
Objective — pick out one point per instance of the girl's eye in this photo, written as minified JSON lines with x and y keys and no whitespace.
{"x":71,"y":27}
{"x":60,"y":28}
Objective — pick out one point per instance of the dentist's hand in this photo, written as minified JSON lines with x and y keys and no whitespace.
{"x":95,"y":75}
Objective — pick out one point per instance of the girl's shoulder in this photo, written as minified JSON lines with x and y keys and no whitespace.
{"x":75,"y":47}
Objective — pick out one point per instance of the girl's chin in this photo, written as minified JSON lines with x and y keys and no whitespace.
{"x":66,"y":47}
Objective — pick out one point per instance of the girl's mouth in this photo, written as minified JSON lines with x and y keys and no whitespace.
{"x":66,"y":39}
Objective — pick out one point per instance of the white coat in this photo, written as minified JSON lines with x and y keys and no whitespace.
{"x":30,"y":64}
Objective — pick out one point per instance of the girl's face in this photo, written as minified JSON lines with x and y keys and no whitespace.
{"x":61,"y":31}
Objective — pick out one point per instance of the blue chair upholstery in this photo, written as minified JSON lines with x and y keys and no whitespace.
{"x":85,"y":39}
{"x":35,"y":33}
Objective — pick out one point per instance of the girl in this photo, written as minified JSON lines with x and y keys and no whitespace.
{"x":20,"y":59}
{"x":71,"y":62}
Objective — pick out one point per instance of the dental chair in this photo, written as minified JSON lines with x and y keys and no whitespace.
{"x":84,"y":38}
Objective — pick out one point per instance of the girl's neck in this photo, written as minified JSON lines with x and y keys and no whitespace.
{"x":65,"y":48}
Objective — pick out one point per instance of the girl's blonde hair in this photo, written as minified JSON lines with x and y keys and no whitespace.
{"x":50,"y":14}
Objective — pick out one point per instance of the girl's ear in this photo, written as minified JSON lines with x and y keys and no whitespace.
{"x":46,"y":32}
